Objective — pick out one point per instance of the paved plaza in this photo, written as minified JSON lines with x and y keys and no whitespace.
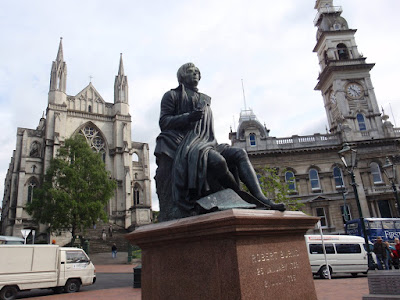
{"x":344,"y":287}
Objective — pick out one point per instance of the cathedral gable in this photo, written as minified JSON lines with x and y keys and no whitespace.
{"x":88,"y":100}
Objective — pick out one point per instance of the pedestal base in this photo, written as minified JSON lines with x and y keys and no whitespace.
{"x":233,"y":254}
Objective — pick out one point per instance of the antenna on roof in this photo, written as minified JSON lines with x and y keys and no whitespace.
{"x":394,"y":120}
{"x":244,"y":97}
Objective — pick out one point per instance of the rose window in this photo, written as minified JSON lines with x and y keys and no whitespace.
{"x":93,"y":137}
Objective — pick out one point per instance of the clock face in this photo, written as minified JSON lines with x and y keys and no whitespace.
{"x":354,"y":90}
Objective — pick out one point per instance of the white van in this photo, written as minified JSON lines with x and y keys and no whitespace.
{"x":345,"y":254}
{"x":25,"y":267}
{"x":11,"y":240}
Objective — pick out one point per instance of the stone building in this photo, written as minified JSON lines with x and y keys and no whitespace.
{"x":310,"y":164}
{"x":106,"y":127}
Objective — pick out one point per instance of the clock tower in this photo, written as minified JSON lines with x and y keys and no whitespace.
{"x":344,"y":79}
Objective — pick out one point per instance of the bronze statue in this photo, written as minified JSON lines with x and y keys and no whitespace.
{"x":191,"y":164}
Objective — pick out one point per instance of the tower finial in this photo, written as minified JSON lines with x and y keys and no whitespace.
{"x":244,"y":97}
{"x":121,"y":66}
{"x":60,"y":55}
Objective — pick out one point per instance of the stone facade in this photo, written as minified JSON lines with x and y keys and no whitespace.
{"x":106,"y":127}
{"x":354,"y":118}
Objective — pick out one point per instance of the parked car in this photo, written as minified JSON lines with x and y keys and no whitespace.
{"x":344,"y":254}
{"x":11,"y":240}
{"x":25,"y":267}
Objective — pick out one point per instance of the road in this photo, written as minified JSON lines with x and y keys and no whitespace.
{"x":103,"y":281}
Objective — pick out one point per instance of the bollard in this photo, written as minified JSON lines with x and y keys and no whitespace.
{"x":137,"y":277}
{"x":86,"y":246}
{"x":130,"y":249}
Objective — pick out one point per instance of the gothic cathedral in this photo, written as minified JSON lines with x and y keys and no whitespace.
{"x":107,"y":129}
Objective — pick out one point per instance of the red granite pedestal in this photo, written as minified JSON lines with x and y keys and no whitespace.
{"x":232,"y":254}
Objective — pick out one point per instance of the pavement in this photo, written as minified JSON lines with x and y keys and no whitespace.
{"x":344,"y":287}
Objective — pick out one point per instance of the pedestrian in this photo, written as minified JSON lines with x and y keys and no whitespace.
{"x":389,"y":256}
{"x":103,"y":234}
{"x":114,"y":251}
{"x":396,"y":253}
{"x":381,"y":253}
{"x":110,"y":230}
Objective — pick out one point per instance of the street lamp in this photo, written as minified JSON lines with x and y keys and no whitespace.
{"x":390,"y":171}
{"x":348,"y":156}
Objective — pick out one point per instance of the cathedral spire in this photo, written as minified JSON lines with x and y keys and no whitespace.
{"x":121,"y":66}
{"x":121,"y":85}
{"x":60,"y":54}
{"x":58,"y":75}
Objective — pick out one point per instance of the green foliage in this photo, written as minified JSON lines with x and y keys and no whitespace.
{"x":278,"y":190}
{"x":137,"y":253}
{"x":75,"y":189}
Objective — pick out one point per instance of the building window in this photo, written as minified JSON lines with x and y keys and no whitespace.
{"x":346,"y":214}
{"x":136,"y":194}
{"x":376,"y":173}
{"x":326,"y":59}
{"x":338,"y":176}
{"x":31,"y":186}
{"x":252,"y":138}
{"x":314,"y":179}
{"x":290,"y":180}
{"x":342,"y":51}
{"x":321,"y":213}
{"x":90,"y":108}
{"x":95,"y":140}
{"x":361,"y":122}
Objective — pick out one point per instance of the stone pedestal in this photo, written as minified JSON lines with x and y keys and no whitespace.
{"x":232,"y":254}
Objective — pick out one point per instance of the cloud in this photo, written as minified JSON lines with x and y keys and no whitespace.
{"x":268,"y":44}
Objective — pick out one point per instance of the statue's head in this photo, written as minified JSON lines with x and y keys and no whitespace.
{"x":189,"y":75}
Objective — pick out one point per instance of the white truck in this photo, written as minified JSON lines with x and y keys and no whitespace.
{"x":25,"y":267}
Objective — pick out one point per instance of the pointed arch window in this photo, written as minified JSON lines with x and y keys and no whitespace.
{"x":290,"y":180}
{"x":31,"y":186}
{"x":338,"y":176}
{"x":376,"y":173}
{"x":90,"y":108}
{"x":314,"y":179}
{"x":252,"y":138}
{"x":122,"y":93}
{"x":361,"y":122}
{"x":136,"y":194}
{"x":343,"y":52}
{"x":94,"y":139}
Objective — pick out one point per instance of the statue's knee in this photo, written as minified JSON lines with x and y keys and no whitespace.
{"x":240,"y":154}
{"x":217,"y":165}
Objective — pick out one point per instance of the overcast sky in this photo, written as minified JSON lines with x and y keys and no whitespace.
{"x":266,"y":43}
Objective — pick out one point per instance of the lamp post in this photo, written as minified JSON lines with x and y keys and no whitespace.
{"x":348,"y":156}
{"x":390,"y":171}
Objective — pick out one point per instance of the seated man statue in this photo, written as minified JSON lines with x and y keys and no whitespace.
{"x":191,"y":164}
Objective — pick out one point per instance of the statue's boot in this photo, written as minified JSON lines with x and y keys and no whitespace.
{"x":249,"y":178}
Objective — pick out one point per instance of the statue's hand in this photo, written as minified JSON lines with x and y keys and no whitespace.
{"x":196,"y":115}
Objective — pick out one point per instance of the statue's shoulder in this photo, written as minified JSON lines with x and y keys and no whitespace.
{"x":206,"y":98}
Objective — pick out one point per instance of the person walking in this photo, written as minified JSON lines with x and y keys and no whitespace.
{"x":396,"y":253}
{"x":381,"y":253}
{"x":114,"y":251}
{"x":110,"y":230}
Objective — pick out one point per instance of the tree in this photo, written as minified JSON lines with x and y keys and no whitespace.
{"x":75,"y":189}
{"x":274,"y":188}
